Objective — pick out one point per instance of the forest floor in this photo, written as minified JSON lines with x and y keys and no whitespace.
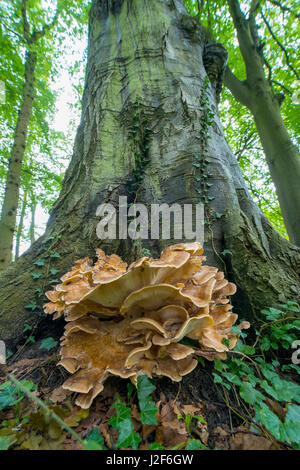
{"x":194,"y":408}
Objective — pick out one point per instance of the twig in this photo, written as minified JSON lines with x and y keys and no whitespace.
{"x":279,"y":44}
{"x":39,"y":402}
{"x":284,"y":8}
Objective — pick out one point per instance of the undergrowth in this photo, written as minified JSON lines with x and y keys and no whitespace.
{"x":262,"y":377}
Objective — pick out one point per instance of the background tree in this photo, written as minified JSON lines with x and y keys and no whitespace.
{"x":261,"y":74}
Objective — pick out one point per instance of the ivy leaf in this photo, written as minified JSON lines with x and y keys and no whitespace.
{"x":219,"y":365}
{"x":265,"y":343}
{"x":155,"y":446}
{"x":32,"y":306}
{"x":130,"y":390}
{"x":195,"y":444}
{"x":94,"y":441}
{"x":132,"y":440}
{"x":292,"y":422}
{"x":148,"y":412}
{"x":270,"y":420}
{"x":54,"y":271}
{"x":226,"y":252}
{"x":36,"y":275}
{"x":233,"y":378}
{"x":55,"y":255}
{"x":245,"y":349}
{"x":250,"y":394}
{"x":6,"y":442}
{"x":48,"y":343}
{"x":144,"y":387}
{"x":40,"y":262}
{"x":27,"y":328}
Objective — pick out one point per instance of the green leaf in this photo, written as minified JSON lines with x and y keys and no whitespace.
{"x":270,"y":420}
{"x":244,"y":348}
{"x":148,"y":412}
{"x":219,"y":365}
{"x":226,"y":252}
{"x":195,"y":444}
{"x":48,"y":343}
{"x":32,"y":306}
{"x":36,"y":275}
{"x":27,"y":328}
{"x":94,"y":441}
{"x":144,"y":387}
{"x":6,"y":442}
{"x":132,"y":440}
{"x":55,"y":255}
{"x":265,"y":343}
{"x":40,"y":262}
{"x":292,"y":423}
{"x":155,"y":446}
{"x":30,"y":339}
{"x":54,"y":271}
{"x":130,"y":390}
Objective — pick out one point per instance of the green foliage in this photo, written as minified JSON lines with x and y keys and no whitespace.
{"x":123,"y":421}
{"x":281,"y":328}
{"x":260,"y":383}
{"x":47,"y":149}
{"x":94,"y":441}
{"x":278,"y":43}
{"x":10,"y":395}
{"x":48,"y":343}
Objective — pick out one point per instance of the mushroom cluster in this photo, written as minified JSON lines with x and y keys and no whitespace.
{"x":130,"y":321}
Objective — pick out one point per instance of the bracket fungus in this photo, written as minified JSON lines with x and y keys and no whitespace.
{"x":130,"y":321}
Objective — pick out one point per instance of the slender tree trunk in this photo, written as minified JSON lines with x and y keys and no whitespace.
{"x":283,"y":160}
{"x":255,"y":93}
{"x":11,"y":198}
{"x":32,"y":221}
{"x":145,"y":60}
{"x":20,"y":226}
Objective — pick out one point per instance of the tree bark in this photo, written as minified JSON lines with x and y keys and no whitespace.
{"x":32,"y":220}
{"x":11,"y":198}
{"x":146,"y":58}
{"x":20,"y":226}
{"x":256,"y":94}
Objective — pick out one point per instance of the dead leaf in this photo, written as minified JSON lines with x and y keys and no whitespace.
{"x":247,"y":441}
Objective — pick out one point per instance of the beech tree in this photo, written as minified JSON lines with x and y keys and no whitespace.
{"x":150,"y":130}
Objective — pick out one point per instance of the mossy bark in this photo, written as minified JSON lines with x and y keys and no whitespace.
{"x":148,"y":56}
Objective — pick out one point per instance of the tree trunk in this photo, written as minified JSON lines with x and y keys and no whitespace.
{"x":32,"y":220}
{"x":145,"y":78}
{"x":11,"y":198}
{"x":283,"y":161}
{"x":20,"y":226}
{"x":256,"y":94}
